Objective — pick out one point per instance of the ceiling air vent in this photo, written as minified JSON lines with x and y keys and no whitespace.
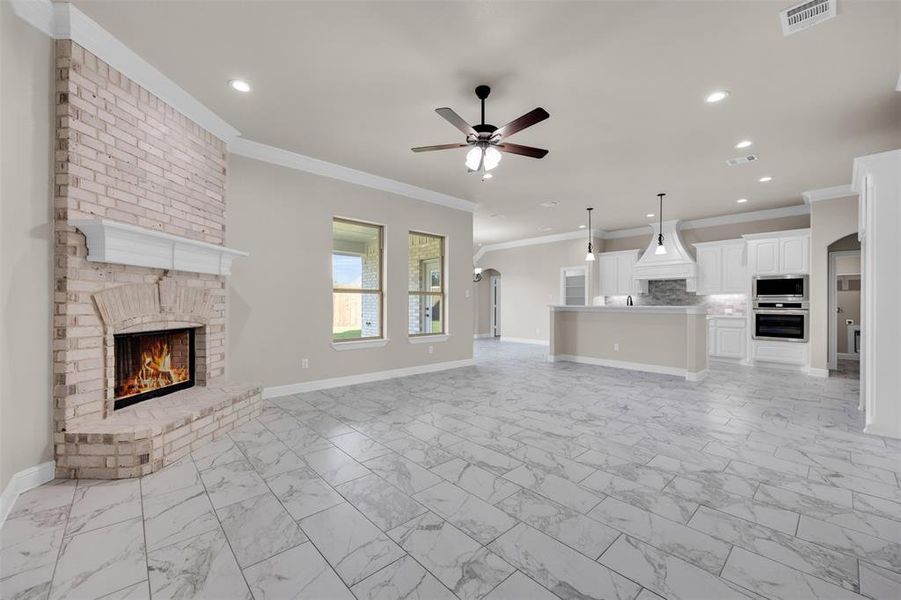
{"x":802,"y":16}
{"x":740,"y":160}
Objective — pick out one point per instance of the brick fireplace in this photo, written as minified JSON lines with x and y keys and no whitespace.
{"x":128,"y":161}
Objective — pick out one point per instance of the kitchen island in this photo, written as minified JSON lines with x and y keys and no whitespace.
{"x":656,"y":339}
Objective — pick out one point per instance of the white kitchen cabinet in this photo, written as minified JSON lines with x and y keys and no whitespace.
{"x":779,"y":252}
{"x":780,"y":353}
{"x":721,"y":267}
{"x":727,"y":337}
{"x":615,"y":273}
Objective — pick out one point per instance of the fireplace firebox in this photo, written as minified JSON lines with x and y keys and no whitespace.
{"x":152,"y":364}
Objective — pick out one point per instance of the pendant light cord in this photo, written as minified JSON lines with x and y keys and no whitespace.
{"x":660,"y":231}
{"x":589,"y":229}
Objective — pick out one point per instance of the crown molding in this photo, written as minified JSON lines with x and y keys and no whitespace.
{"x":300,"y":162}
{"x":839,"y":191}
{"x":746,"y":217}
{"x":544,"y":239}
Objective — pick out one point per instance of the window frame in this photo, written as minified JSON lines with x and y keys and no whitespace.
{"x":442,"y":293}
{"x":379,"y":292}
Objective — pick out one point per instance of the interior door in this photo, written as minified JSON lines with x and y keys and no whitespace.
{"x":495,"y":284}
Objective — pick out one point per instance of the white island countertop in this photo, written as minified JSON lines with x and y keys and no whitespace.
{"x":658,"y":310}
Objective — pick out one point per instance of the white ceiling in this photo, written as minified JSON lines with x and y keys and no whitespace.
{"x":624,"y":82}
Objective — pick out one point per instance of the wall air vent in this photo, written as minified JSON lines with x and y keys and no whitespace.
{"x":801,"y":16}
{"x":740,"y":160}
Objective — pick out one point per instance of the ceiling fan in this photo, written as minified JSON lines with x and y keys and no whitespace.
{"x":487,"y":141}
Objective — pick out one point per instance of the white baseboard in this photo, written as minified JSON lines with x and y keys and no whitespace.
{"x":631,"y":366}
{"x":847,"y":356}
{"x":525,"y":341}
{"x":324,"y":384}
{"x":481,"y":336}
{"x":23,"y":481}
{"x":815,"y":372}
{"x":876,"y":430}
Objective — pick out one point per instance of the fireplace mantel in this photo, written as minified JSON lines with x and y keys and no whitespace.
{"x":120,"y":243}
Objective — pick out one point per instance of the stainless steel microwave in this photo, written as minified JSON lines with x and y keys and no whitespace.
{"x":780,"y":288}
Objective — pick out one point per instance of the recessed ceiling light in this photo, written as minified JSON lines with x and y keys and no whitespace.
{"x":582,"y":226}
{"x":742,"y":200}
{"x":650,"y":215}
{"x":549,"y":203}
{"x":239,"y":85}
{"x":743,"y":144}
{"x":765,"y":178}
{"x":545,"y":228}
{"x":716,"y":96}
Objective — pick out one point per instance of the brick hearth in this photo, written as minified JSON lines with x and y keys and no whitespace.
{"x":125,"y":155}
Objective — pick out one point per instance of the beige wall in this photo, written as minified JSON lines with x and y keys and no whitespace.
{"x":280,"y":299}
{"x":26,"y":96}
{"x":675,"y":341}
{"x":531,"y":274}
{"x":830,"y":220}
{"x":530,"y":281}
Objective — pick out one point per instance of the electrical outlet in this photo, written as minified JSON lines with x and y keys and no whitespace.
{"x":305,"y":363}
{"x":431,"y":349}
{"x":616,"y":347}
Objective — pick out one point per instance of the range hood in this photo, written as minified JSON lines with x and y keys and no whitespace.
{"x":677,"y":263}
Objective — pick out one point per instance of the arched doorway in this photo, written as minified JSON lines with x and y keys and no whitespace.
{"x":845,"y":304}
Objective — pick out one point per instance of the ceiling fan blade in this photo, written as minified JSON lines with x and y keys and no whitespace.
{"x":523,"y":150}
{"x":527,"y":120}
{"x":456,"y":120}
{"x":438,"y":147}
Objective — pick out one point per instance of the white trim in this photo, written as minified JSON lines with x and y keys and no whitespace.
{"x":308,"y":164}
{"x":123,"y":244}
{"x":481,"y":336}
{"x":745,"y":217}
{"x":815,"y":372}
{"x":360,"y":344}
{"x":543,"y":239}
{"x":848,"y":356}
{"x":533,"y":341}
{"x":631,"y":366}
{"x":323,"y":384}
{"x":839,"y":191}
{"x":23,"y":481}
{"x":775,"y":234}
{"x":875,"y":430}
{"x":64,"y":21}
{"x":428,"y":338}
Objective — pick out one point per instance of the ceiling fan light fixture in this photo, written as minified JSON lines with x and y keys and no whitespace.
{"x":492,"y":158}
{"x":474,"y":158}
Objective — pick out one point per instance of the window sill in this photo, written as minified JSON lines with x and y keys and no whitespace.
{"x":360,"y":345}
{"x":429,"y":338}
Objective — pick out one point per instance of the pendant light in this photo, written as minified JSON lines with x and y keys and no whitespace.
{"x":590,"y":256}
{"x":661,"y":249}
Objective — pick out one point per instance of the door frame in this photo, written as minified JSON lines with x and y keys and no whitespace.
{"x":563,"y":270}
{"x":832,"y":339}
{"x":494,"y":305}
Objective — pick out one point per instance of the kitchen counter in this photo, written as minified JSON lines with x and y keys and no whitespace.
{"x":680,"y":310}
{"x":709,"y":317}
{"x":657,"y":339}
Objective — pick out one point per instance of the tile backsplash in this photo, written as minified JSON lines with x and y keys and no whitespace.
{"x":672,"y":292}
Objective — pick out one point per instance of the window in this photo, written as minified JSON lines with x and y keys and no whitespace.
{"x":356,"y":280}
{"x":426,"y":284}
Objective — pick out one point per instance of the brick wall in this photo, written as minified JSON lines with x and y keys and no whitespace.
{"x":123,"y":154}
{"x":420,"y":248}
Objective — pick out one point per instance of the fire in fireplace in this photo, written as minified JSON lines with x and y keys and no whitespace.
{"x":151,"y":364}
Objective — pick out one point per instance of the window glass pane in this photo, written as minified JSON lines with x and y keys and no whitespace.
{"x":426,"y":314}
{"x":356,"y":315}
{"x":426,"y":263}
{"x":356,"y":255}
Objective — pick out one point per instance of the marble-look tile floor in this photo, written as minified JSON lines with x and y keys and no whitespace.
{"x":514,"y":479}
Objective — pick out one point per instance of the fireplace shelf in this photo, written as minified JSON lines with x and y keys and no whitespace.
{"x":120,"y":243}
